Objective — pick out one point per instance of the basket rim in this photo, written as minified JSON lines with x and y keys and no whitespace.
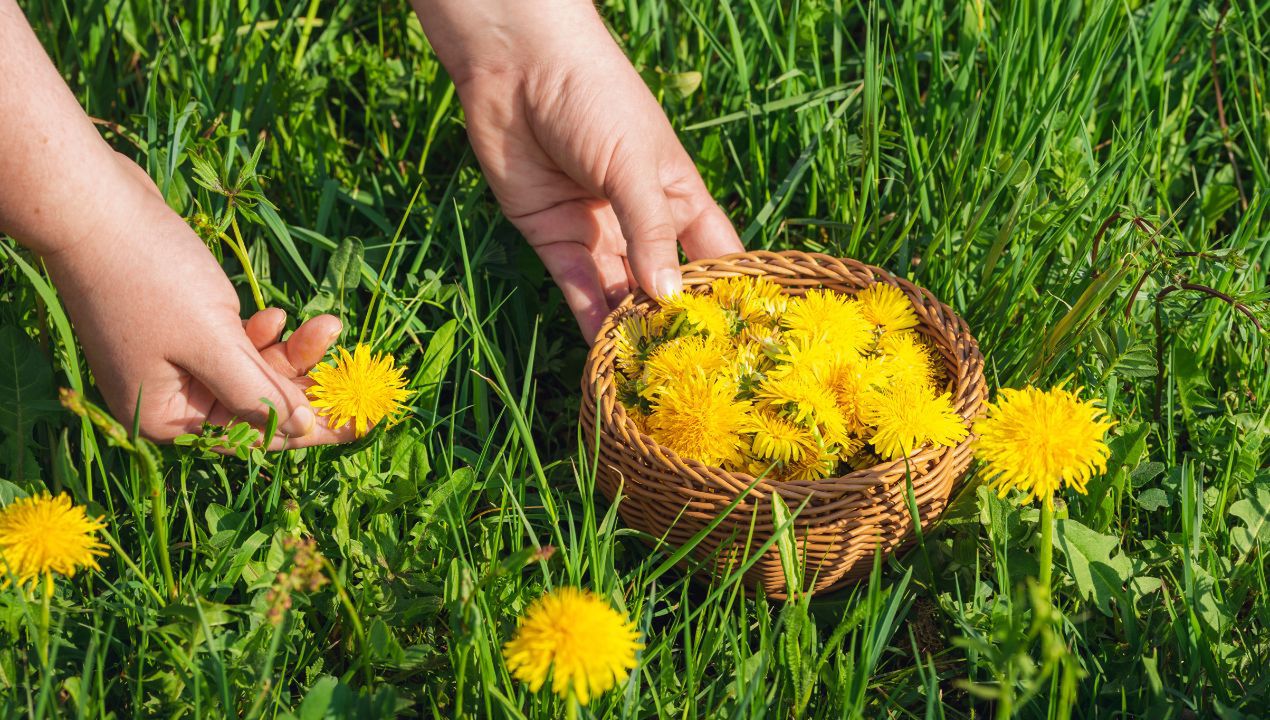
{"x":792,"y":264}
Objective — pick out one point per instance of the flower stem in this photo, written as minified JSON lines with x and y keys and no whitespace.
{"x":146,"y":453}
{"x":1046,"y":550}
{"x":239,"y":248}
{"x":42,"y":646}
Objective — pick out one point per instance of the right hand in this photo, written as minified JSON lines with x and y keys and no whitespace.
{"x":576,"y":149}
{"x":159,"y":323}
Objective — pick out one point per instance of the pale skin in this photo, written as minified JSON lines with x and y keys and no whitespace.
{"x":575,"y":148}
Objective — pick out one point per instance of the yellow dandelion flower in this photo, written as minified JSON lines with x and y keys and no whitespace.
{"x":850,"y":378}
{"x":686,"y":312}
{"x":1040,"y":441}
{"x":750,"y":364}
{"x":809,"y":401}
{"x":778,"y":439}
{"x":43,"y":535}
{"x":675,"y":360}
{"x":753,"y":299}
{"x":801,"y":355}
{"x":700,"y":417}
{"x":818,"y":465}
{"x":574,"y":636}
{"x":635,"y":337}
{"x":907,"y":360}
{"x":361,"y":387}
{"x":906,"y":417}
{"x":824,"y":316}
{"x":768,"y":338}
{"x":887,"y":307}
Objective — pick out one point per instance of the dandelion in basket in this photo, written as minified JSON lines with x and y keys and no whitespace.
{"x":362,"y":388}
{"x":577,"y":639}
{"x":1041,"y":441}
{"x":42,"y":536}
{"x":749,"y":378}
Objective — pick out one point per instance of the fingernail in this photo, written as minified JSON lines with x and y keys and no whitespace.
{"x":667,"y":282}
{"x":302,"y":421}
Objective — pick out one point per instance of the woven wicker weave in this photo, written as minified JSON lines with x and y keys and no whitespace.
{"x":845,"y":518}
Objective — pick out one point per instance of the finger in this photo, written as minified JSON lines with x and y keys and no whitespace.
{"x":321,"y":435}
{"x":265,"y":327}
{"x":704,"y":229}
{"x":610,"y":259}
{"x":243,"y":381}
{"x":305,"y":347}
{"x":574,"y":270}
{"x":637,"y":195}
{"x":612,"y":271}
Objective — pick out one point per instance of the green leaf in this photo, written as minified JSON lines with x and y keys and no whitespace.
{"x":1122,"y":355}
{"x":1153,"y":499}
{"x":1192,"y":382}
{"x":1107,"y":489}
{"x":1218,"y":199}
{"x":279,"y":229}
{"x":1254,"y":510}
{"x":681,"y":85}
{"x":318,"y":700}
{"x":1146,"y":472}
{"x":1100,"y":570}
{"x":797,"y":647}
{"x":343,"y":275}
{"x":26,"y":396}
{"x":343,"y":271}
{"x":436,"y":362}
{"x":10,"y":492}
{"x":786,"y":545}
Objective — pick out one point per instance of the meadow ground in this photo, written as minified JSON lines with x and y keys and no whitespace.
{"x":1087,"y":183}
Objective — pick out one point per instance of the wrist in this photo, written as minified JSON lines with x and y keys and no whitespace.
{"x":112,"y":235}
{"x":121,"y":202}
{"x":476,"y":38}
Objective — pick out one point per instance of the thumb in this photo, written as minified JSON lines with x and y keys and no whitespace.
{"x":242,"y":382}
{"x":638,"y":197}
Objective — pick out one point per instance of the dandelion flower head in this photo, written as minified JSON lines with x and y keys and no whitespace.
{"x":697,"y":313}
{"x":577,"y":639}
{"x":700,"y":417}
{"x":907,"y":417}
{"x":907,"y":360}
{"x":887,"y":307}
{"x":1040,"y":441}
{"x":776,"y":438}
{"x":44,"y":535}
{"x":825,"y":316}
{"x":361,"y":388}
{"x":675,"y":360}
{"x":754,"y":300}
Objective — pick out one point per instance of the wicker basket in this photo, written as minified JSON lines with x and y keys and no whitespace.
{"x":844,"y":519}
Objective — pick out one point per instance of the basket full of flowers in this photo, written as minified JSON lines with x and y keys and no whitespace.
{"x":827,"y":383}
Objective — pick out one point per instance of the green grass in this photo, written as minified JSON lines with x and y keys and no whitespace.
{"x":1050,"y":170}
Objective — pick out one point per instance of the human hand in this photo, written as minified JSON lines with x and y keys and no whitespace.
{"x":577,"y":150}
{"x":156,"y":315}
{"x":159,"y":323}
